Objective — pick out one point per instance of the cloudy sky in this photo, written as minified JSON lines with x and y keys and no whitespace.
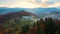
{"x":30,"y":3}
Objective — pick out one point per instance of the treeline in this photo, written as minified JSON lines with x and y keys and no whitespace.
{"x":47,"y":26}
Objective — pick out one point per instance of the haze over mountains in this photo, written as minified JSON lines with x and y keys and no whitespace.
{"x":41,"y":12}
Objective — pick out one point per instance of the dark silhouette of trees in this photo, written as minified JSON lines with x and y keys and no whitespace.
{"x":50,"y":26}
{"x":25,"y":29}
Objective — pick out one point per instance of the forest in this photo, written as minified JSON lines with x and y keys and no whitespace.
{"x":14,"y":23}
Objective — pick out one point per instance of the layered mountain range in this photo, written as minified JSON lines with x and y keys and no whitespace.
{"x":40,"y":12}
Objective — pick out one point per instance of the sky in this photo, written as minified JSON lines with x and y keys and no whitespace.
{"x":30,"y":3}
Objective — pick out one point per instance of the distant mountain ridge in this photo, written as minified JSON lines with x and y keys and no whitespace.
{"x":14,"y":15}
{"x":41,"y":12}
{"x":38,"y":10}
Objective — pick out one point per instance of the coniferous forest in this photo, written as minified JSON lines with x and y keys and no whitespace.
{"x":28,"y":23}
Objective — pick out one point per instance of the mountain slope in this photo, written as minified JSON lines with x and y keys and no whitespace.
{"x":41,"y":12}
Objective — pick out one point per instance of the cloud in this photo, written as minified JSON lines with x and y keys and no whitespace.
{"x":30,"y":4}
{"x":56,"y":4}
